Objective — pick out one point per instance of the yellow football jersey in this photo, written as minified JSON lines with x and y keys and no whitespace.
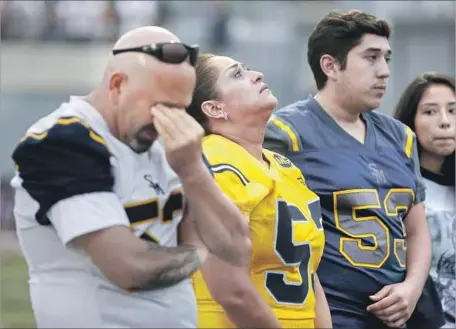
{"x":285,"y":227}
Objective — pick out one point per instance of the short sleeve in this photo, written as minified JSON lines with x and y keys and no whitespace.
{"x":86,"y":213}
{"x":280,"y":136}
{"x":66,"y":161}
{"x":411,"y":152}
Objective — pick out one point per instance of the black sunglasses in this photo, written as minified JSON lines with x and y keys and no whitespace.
{"x":168,"y":52}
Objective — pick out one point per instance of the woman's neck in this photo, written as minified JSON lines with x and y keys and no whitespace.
{"x":250,"y":138}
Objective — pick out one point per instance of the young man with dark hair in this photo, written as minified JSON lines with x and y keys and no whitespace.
{"x":364,"y":167}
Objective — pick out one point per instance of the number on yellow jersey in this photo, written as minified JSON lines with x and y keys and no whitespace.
{"x":291,"y":254}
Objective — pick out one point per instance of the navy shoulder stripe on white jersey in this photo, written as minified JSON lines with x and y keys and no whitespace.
{"x":67,"y":159}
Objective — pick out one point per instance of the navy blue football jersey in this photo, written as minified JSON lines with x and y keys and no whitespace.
{"x":365,"y":190}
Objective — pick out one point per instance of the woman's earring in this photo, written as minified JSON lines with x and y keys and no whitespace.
{"x":225,"y":116}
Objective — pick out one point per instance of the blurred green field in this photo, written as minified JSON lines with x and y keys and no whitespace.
{"x":15,"y":309}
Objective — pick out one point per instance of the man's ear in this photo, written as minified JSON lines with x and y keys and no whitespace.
{"x":115,"y":85}
{"x":330,"y":66}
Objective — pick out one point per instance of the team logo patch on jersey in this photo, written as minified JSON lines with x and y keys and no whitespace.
{"x":302,"y":180}
{"x":377,"y":173}
{"x":284,"y":162}
{"x":153,"y":184}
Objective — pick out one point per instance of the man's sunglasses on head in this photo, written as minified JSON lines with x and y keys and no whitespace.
{"x":168,"y":52}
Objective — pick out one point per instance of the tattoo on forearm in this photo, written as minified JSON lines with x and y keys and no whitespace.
{"x":178,"y":263}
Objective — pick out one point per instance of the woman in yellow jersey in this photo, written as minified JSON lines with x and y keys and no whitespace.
{"x":279,"y":288}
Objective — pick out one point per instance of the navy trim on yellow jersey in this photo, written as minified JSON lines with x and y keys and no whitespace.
{"x":226,"y":167}
{"x":208,"y":165}
{"x":66,"y":160}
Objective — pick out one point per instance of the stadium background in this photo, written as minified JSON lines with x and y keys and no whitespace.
{"x":53,"y":49}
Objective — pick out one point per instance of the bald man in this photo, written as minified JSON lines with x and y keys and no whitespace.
{"x":100,"y":205}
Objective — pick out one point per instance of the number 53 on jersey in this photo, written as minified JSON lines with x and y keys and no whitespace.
{"x":357,"y":213}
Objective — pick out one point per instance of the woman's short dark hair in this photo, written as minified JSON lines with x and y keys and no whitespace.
{"x":408,"y":105}
{"x":205,"y":89}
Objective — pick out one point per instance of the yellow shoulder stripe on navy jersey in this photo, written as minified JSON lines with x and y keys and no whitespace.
{"x":289,"y":131}
{"x":408,"y":141}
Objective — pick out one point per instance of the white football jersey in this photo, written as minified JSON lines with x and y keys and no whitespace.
{"x":73,"y":177}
